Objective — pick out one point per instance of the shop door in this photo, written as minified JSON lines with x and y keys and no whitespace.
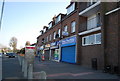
{"x":68,"y":54}
{"x":47,"y":54}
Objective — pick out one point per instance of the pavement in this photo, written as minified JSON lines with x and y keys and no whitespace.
{"x":62,"y":70}
{"x":11,"y":69}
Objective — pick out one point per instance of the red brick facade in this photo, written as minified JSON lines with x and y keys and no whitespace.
{"x":107,"y":52}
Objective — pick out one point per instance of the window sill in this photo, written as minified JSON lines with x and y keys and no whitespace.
{"x":92,"y":44}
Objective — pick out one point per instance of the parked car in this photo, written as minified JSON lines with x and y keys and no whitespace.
{"x":10,"y":55}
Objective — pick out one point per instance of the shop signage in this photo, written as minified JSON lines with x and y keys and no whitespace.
{"x":54,"y":43}
{"x":65,"y":33}
{"x":47,"y":45}
{"x":46,"y":49}
{"x":68,"y":40}
{"x":53,"y":47}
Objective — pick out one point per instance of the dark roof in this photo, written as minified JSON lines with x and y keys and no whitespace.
{"x":69,"y":4}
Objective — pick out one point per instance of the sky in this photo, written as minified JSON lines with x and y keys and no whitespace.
{"x":24,"y":20}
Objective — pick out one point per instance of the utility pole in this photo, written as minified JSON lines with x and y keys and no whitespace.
{"x":2,"y":13}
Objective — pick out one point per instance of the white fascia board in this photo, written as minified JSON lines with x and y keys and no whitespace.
{"x":112,"y":11}
{"x":90,"y":31}
{"x":87,"y":9}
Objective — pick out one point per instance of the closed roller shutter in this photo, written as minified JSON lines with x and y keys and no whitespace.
{"x":68,"y":54}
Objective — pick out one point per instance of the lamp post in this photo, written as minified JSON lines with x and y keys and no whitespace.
{"x":2,"y":13}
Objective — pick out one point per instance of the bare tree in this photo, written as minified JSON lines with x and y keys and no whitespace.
{"x":13,"y":43}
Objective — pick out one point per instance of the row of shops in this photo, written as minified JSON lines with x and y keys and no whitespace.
{"x":63,"y":50}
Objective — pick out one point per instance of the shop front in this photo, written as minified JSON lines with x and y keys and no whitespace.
{"x":54,"y":51}
{"x":47,"y":51}
{"x":68,"y":50}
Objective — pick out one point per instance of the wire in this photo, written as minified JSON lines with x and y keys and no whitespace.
{"x":2,"y":13}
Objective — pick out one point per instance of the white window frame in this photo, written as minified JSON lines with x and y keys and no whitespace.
{"x":66,"y":28}
{"x":44,"y":30}
{"x":54,"y":35}
{"x":71,"y":8}
{"x":73,"y":27}
{"x":93,"y":39}
{"x":96,"y":38}
{"x":59,"y":32}
{"x":47,"y":39}
{"x":83,"y":41}
{"x":50,"y":25}
{"x":58,"y":19}
{"x":91,"y":2}
{"x":88,"y":37}
{"x":50,"y":37}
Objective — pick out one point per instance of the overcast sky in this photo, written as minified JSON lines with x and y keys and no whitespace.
{"x":24,"y":20}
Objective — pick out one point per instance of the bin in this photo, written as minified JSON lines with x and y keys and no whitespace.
{"x":94,"y":63}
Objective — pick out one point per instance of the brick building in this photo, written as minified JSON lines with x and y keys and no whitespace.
{"x":87,"y":35}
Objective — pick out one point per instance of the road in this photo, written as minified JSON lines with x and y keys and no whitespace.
{"x":11,"y":68}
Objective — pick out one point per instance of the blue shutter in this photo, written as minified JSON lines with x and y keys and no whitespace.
{"x":68,"y":54}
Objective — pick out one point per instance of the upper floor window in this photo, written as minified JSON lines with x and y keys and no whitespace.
{"x":54,"y":35}
{"x":50,"y":25}
{"x":50,"y":37}
{"x":65,"y":28}
{"x":47,"y":39}
{"x":93,"y":21}
{"x":44,"y":30}
{"x":58,"y":18}
{"x":91,"y":2}
{"x":59,"y":32}
{"x":91,"y":39}
{"x":71,"y":8}
{"x":41,"y":32}
{"x":73,"y":26}
{"x":98,"y":38}
{"x":43,"y":40}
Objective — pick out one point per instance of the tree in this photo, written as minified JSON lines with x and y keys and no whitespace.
{"x":13,"y":43}
{"x":27,"y":43}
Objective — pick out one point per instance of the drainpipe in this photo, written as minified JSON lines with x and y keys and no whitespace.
{"x":103,"y":31}
{"x":118,"y":39}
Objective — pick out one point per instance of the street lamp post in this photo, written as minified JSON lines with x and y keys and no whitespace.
{"x":2,"y":13}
